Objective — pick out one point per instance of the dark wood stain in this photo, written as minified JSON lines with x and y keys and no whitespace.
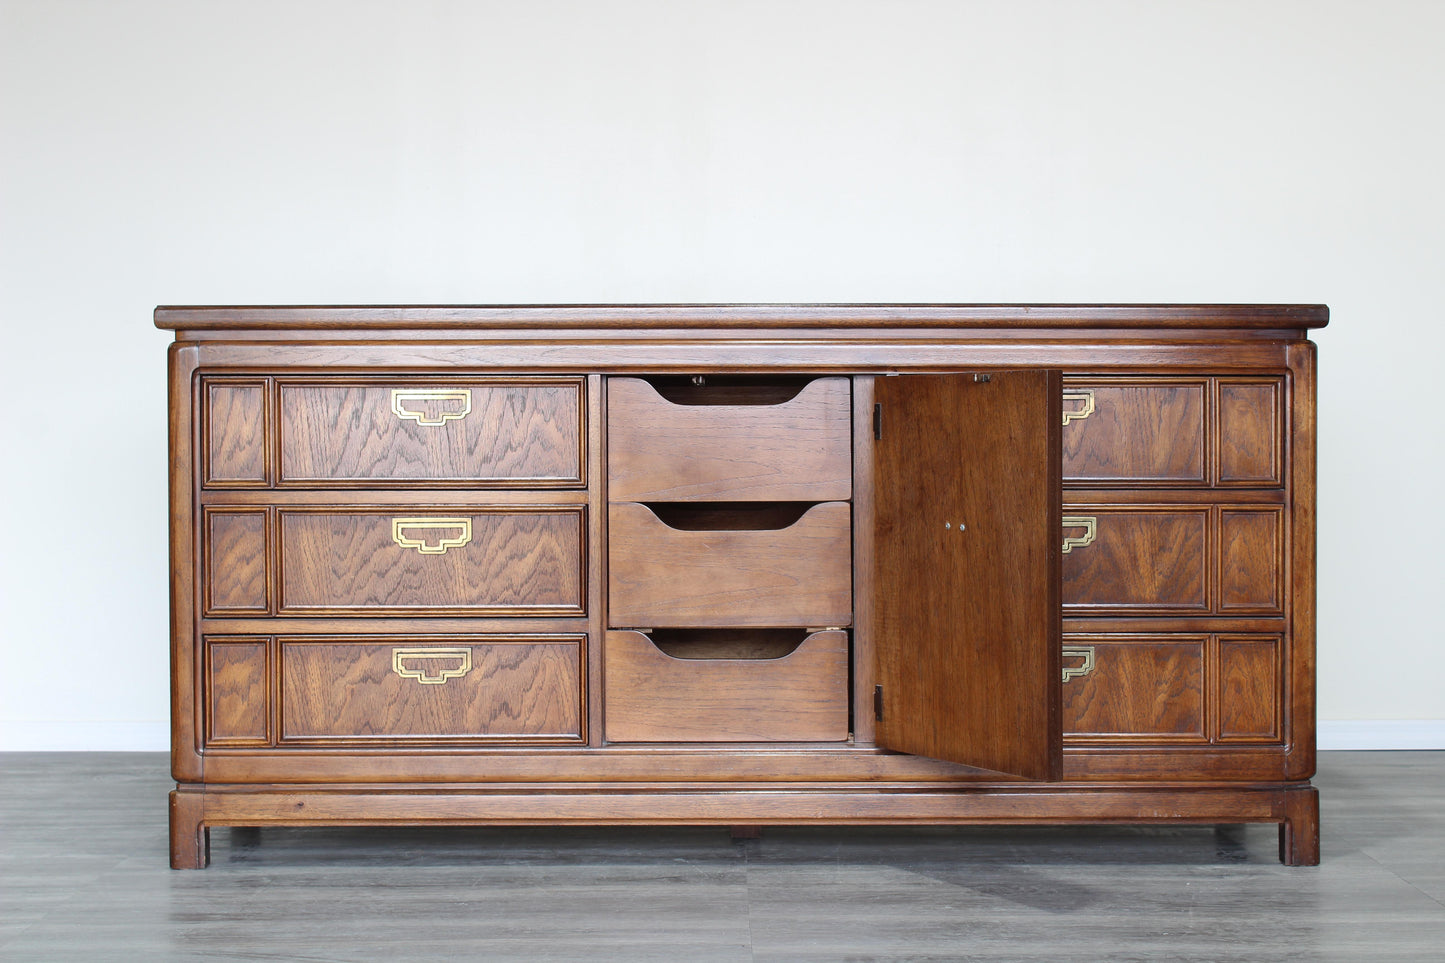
{"x":966,"y":544}
{"x":1142,"y":688}
{"x":289,"y":594}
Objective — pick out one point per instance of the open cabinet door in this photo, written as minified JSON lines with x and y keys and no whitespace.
{"x":966,"y":631}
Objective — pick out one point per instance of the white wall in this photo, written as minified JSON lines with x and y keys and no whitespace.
{"x":1009,"y":150}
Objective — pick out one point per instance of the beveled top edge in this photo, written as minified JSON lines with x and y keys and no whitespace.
{"x":323,"y":317}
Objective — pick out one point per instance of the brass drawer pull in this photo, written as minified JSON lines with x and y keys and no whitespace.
{"x":462,"y":527}
{"x":400,"y":397}
{"x":420,"y":664}
{"x":1085,"y":398}
{"x":1088,"y":523}
{"x":1085,"y":652}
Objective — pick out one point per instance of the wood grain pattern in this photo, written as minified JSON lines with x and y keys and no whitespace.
{"x":796,"y":450}
{"x":653,"y":697}
{"x":1249,"y":688}
{"x":794,"y":576}
{"x":338,"y":690}
{"x":966,"y":542}
{"x":237,"y":706}
{"x":1151,"y":430}
{"x":1143,"y":558}
{"x":518,"y":432}
{"x":518,"y":561}
{"x":235,"y":427}
{"x":1144,"y":688}
{"x":235,"y":562}
{"x":1251,"y":568}
{"x":1250,"y":433}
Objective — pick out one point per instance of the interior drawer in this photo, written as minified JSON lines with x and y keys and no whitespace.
{"x":800,"y":696}
{"x":455,"y":689}
{"x":1150,"y":430}
{"x":402,"y":560}
{"x":484,"y":432}
{"x":794,"y":575}
{"x":789,"y":443}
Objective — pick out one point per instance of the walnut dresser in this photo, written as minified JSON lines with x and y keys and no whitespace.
{"x":742,"y":565}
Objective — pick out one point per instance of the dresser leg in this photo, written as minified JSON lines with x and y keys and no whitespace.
{"x":1299,"y":834}
{"x":190,"y":840}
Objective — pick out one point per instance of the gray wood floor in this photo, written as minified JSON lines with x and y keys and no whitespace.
{"x":83,"y":876}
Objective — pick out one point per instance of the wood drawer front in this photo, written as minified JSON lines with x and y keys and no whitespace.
{"x":235,"y":692}
{"x":1130,"y":431}
{"x":482,"y":432}
{"x":473,"y":689}
{"x":1216,"y":688}
{"x":794,"y":576}
{"x":433,"y":561}
{"x":235,"y":552}
{"x":798,"y":450}
{"x":1138,"y":687}
{"x":1174,"y":432}
{"x":653,"y":697}
{"x":1174,"y":559}
{"x":234,"y":429}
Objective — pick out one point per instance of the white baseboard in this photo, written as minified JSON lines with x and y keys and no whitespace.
{"x":154,"y":736}
{"x":1381,"y":734}
{"x":17,"y":735}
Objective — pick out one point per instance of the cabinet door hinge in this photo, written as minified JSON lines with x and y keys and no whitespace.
{"x":878,"y":421}
{"x":878,"y":703}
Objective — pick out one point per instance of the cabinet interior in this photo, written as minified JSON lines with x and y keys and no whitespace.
{"x":728,"y":516}
{"x":710,"y":389}
{"x":751,"y":644}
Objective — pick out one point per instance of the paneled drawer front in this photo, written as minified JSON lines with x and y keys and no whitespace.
{"x":464,"y":561}
{"x":654,"y":697}
{"x":1201,"y":432}
{"x":484,"y":432}
{"x":453,"y":689}
{"x":1144,"y":558}
{"x":796,"y":450}
{"x":234,"y":429}
{"x":1140,"y":686}
{"x":1175,"y":559}
{"x":799,"y":575}
{"x":1218,"y":688}
{"x":1151,"y":430}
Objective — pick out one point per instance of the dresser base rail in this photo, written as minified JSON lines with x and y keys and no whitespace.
{"x":1294,"y":807}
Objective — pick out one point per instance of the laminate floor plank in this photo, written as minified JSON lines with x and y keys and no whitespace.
{"x":83,"y":876}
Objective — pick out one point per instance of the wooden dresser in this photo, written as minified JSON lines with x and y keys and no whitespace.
{"x":742,"y":565}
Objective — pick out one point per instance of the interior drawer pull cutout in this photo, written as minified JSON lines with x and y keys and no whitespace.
{"x":430,"y":666}
{"x":453,"y":397}
{"x":433,"y":545}
{"x":1085,"y":652}
{"x":1088,"y":523}
{"x":1085,"y":399}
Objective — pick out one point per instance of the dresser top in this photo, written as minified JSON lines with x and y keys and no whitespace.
{"x":641,"y":316}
